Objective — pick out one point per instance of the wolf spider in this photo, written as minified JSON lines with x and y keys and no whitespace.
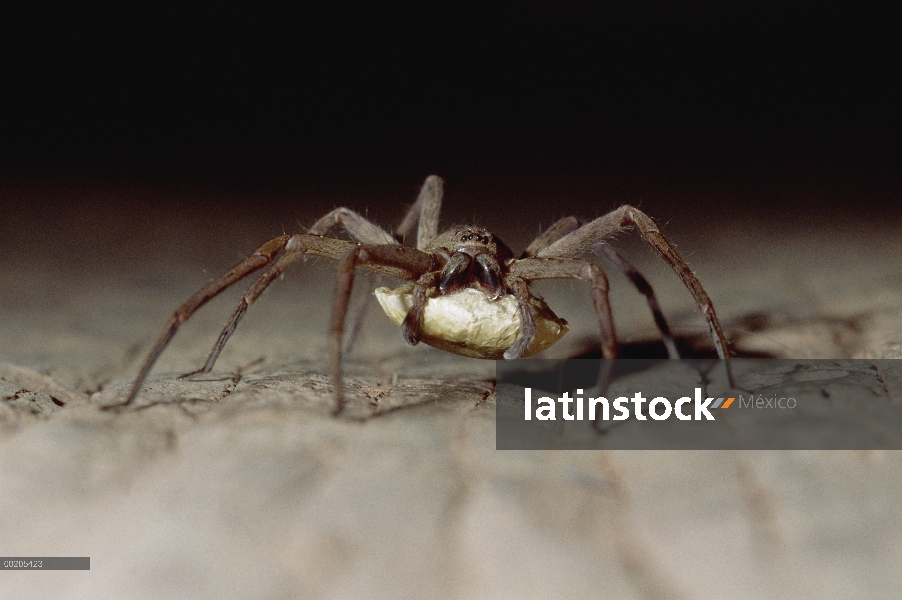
{"x":466,"y":266}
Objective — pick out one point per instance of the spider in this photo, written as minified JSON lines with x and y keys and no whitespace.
{"x":466,"y":292}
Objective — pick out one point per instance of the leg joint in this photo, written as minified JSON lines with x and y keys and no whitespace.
{"x":593,"y":273}
{"x":295,"y":244}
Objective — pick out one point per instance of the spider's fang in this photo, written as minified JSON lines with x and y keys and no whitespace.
{"x":457,"y":266}
{"x":490,"y":275}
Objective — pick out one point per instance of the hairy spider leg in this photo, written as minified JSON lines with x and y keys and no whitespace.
{"x":373,"y":282}
{"x":397,"y":256}
{"x":290,"y":256}
{"x":581,"y":240}
{"x":422,"y":216}
{"x":358,"y":227}
{"x":641,"y":284}
{"x":568,"y":224}
{"x":424,"y":212}
{"x":534,"y":269}
{"x":412,"y":326}
{"x":558,"y":229}
{"x":361,"y":229}
{"x":527,"y":318}
{"x":395,"y":260}
{"x":297,"y":245}
{"x":259,"y":259}
{"x":364,"y":231}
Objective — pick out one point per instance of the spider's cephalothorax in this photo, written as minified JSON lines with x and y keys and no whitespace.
{"x":476,"y":258}
{"x":466,"y":292}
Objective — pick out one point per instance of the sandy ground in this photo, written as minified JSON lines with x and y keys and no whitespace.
{"x":242,"y":485}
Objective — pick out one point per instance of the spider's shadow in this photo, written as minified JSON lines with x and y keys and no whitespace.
{"x":689,"y":347}
{"x":632,"y":358}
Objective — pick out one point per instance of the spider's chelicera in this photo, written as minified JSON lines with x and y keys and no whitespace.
{"x":466,"y":292}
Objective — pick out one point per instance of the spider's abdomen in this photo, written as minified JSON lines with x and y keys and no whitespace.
{"x":470,"y":323}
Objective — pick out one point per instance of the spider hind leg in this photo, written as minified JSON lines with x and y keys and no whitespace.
{"x":642,"y":285}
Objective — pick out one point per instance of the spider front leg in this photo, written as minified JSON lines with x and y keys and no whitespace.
{"x":361,"y":229}
{"x":395,"y":259}
{"x":422,"y":216}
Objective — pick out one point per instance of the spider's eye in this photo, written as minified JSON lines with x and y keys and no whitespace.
{"x":466,"y":237}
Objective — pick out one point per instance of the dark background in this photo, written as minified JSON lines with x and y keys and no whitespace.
{"x":757,"y":109}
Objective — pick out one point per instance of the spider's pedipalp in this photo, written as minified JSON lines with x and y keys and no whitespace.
{"x":527,"y":318}
{"x":532,"y":269}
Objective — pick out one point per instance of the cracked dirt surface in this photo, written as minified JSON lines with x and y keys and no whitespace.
{"x":241,"y":484}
